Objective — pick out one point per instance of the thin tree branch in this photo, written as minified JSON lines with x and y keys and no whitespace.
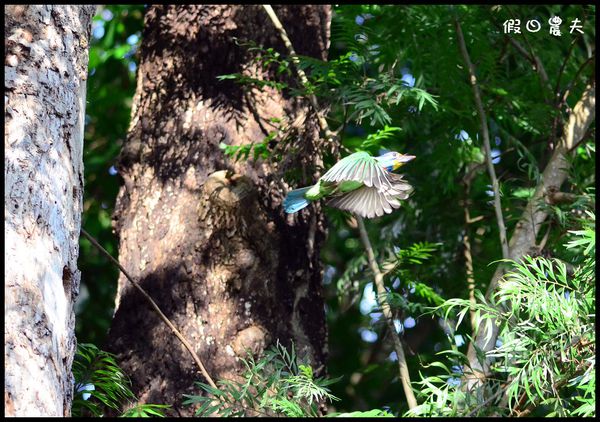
{"x":562,"y":100}
{"x":162,"y":316}
{"x":580,"y":368}
{"x":381,"y":292}
{"x":563,"y":66}
{"x":503,"y":389}
{"x":568,"y":55}
{"x":468,"y":255}
{"x":530,"y":56}
{"x":485,"y":403}
{"x":329,"y":135}
{"x":523,"y":238}
{"x":486,"y":139}
{"x":534,"y":60}
{"x":591,"y":133}
{"x":574,"y":80}
{"x":387,"y":314}
{"x":557,"y":197}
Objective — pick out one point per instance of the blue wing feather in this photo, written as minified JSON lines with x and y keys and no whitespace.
{"x":295,"y":200}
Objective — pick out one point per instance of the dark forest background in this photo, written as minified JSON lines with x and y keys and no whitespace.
{"x":437,"y":122}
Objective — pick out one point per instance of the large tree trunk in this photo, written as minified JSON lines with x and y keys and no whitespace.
{"x":205,"y":235}
{"x":45,"y":68}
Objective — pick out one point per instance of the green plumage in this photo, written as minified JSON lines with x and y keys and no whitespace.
{"x":322,"y":189}
{"x":358,"y":183}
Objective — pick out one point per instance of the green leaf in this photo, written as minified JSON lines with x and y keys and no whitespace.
{"x":374,"y":413}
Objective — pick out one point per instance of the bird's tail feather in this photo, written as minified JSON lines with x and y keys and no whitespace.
{"x":295,"y":200}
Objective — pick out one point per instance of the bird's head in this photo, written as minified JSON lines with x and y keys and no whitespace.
{"x":393,"y":160}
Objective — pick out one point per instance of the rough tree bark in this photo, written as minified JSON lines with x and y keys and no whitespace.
{"x":205,"y":235}
{"x":45,"y":64}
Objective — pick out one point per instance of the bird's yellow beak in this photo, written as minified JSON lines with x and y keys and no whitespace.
{"x":402,"y":160}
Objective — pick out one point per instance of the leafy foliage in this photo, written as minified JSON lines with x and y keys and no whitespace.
{"x":375,"y":413}
{"x":545,"y":362}
{"x":345,"y":284}
{"x":266,"y":58}
{"x":419,"y":43}
{"x":100,"y":385}
{"x":276,"y":385}
{"x":94,"y":368}
{"x":376,"y":140}
{"x":395,"y":80}
{"x":146,"y":411}
{"x":242,"y":152}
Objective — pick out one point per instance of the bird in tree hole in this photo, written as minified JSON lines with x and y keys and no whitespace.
{"x":359,"y":183}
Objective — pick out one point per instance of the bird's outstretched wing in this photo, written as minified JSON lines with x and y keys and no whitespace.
{"x":361,"y":167}
{"x":400,"y":187}
{"x":369,"y":202}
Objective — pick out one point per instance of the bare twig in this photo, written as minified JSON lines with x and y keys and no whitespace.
{"x":468,"y":255}
{"x":470,"y":276}
{"x":329,"y":135}
{"x":470,"y":173}
{"x":485,"y":403}
{"x":567,"y":57}
{"x":535,"y":61}
{"x":530,"y":56}
{"x":563,"y":66}
{"x":486,"y":139}
{"x":387,"y":314}
{"x":162,"y":316}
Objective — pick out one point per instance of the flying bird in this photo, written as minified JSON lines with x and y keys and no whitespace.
{"x":359,"y":183}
